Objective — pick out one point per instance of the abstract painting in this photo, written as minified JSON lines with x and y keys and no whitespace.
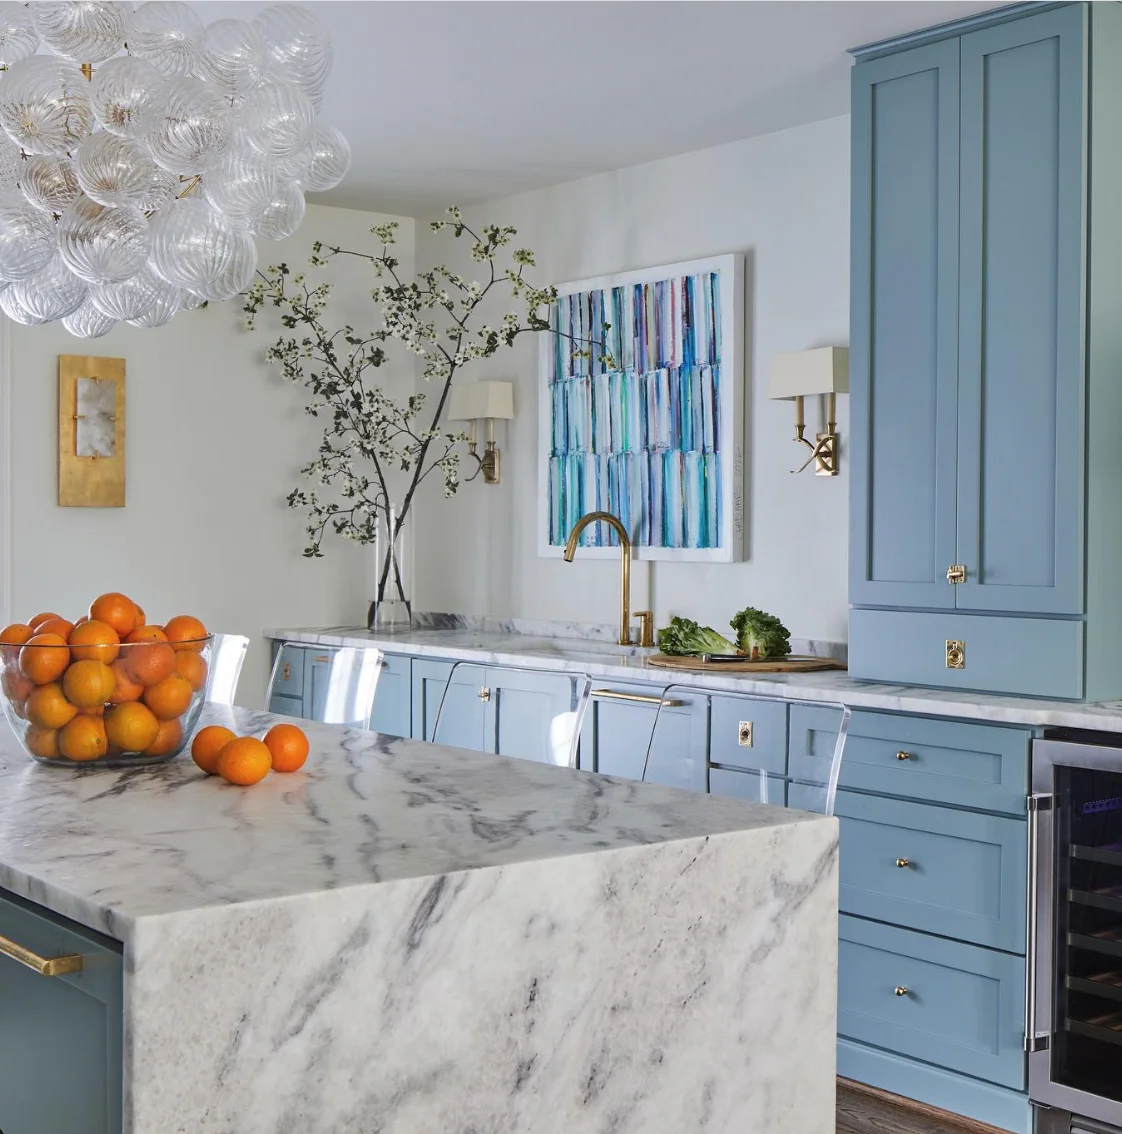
{"x":641,"y":406}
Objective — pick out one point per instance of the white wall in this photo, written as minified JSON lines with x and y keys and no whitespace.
{"x":783,"y":199}
{"x":214,"y":441}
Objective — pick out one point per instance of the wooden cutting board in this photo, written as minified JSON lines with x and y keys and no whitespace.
{"x":793,"y":664}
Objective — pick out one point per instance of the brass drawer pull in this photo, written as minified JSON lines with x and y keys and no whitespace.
{"x":322,"y":658}
{"x":903,"y":755}
{"x":286,"y":671}
{"x":956,"y":654}
{"x":903,"y":862}
{"x":636,"y":698}
{"x":901,"y":990}
{"x":44,"y":966}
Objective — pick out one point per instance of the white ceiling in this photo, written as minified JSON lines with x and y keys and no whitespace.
{"x":453,"y":101}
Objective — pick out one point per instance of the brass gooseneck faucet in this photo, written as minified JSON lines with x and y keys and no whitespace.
{"x":646,"y":617}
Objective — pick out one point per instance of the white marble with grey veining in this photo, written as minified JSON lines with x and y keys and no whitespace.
{"x":406,"y":938}
{"x":606,"y":662}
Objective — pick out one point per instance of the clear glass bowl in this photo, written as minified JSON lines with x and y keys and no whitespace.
{"x":97,"y":705}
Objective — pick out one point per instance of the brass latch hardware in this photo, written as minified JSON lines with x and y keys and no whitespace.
{"x":956,"y":654}
{"x":956,"y":573}
{"x":484,"y":694}
{"x":744,"y":734}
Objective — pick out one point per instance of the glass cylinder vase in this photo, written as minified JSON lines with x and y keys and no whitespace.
{"x":390,"y":609}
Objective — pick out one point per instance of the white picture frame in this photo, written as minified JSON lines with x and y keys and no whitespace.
{"x":731,"y":415}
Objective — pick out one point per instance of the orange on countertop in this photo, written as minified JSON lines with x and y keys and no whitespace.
{"x":118,"y":610}
{"x":244,"y":761}
{"x":88,"y":684}
{"x":94,"y":641}
{"x":83,"y":739}
{"x":41,"y":661}
{"x":208,"y":744}
{"x":169,"y":698}
{"x":184,"y":632}
{"x":132,"y":727}
{"x":48,"y":708}
{"x":288,"y":747}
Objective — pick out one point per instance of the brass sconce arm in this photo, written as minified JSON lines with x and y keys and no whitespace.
{"x":824,"y":450}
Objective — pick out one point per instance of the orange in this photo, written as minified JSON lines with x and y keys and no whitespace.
{"x":244,"y":761}
{"x":88,"y":684}
{"x":16,"y":687}
{"x":288,"y":747}
{"x":140,"y":617}
{"x":131,"y":727}
{"x":147,"y":634}
{"x":118,"y":610}
{"x":167,"y":739}
{"x":192,"y":667}
{"x":41,"y":660}
{"x":84,"y":737}
{"x":39,"y":619}
{"x":184,"y":633}
{"x":59,"y":626}
{"x":79,"y":621}
{"x":16,"y":634}
{"x":94,"y":641}
{"x":42,"y":742}
{"x":48,"y":708}
{"x":208,"y":745}
{"x":92,"y":711}
{"x":169,"y":698}
{"x":126,"y":689}
{"x":148,"y":663}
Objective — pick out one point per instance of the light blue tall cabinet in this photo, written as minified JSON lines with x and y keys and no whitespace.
{"x":986,"y":367}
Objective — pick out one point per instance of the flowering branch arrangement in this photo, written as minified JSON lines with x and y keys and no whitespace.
{"x":374,"y":444}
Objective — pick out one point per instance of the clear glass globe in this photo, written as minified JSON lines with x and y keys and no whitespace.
{"x":18,"y":37}
{"x":168,"y":34}
{"x":294,"y":167}
{"x":278,"y":119}
{"x":88,"y":323}
{"x":192,"y":300}
{"x":284,"y":215}
{"x":298,"y":45}
{"x":240,"y":185}
{"x":127,"y":299}
{"x":239,"y":272}
{"x":53,"y":292}
{"x":45,"y":105}
{"x":50,"y":183}
{"x":163,"y":188}
{"x":331,"y":158}
{"x":192,"y":244}
{"x":84,"y":31}
{"x":193,"y":129}
{"x":115,"y":171}
{"x":27,"y":238}
{"x":11,"y":165}
{"x":234,"y":58}
{"x":100,"y":243}
{"x":163,"y":310}
{"x":12,"y":307}
{"x":127,"y":96}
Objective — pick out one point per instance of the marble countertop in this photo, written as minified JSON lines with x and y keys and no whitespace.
{"x":113,"y":849}
{"x":604,"y":660}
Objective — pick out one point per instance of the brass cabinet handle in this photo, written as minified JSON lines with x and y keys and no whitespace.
{"x":484,"y":694}
{"x":956,"y":574}
{"x":901,"y":990}
{"x":286,"y":671}
{"x":956,"y":654}
{"x":903,"y":862}
{"x":322,"y":658}
{"x":903,"y":755}
{"x":44,"y":966}
{"x":636,"y":698}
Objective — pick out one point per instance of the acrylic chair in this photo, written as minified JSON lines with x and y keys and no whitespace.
{"x":530,"y":714}
{"x":342,"y":685}
{"x":227,"y":656}
{"x":746,"y":748}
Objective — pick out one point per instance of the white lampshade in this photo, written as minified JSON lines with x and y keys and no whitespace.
{"x":475,"y":400}
{"x":804,"y":372}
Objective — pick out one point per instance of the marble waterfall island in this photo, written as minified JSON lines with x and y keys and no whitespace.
{"x":412,"y":939}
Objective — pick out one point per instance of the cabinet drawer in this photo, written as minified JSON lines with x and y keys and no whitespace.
{"x":964,"y":875}
{"x":956,"y":762}
{"x":60,"y":1036}
{"x":290,"y":676}
{"x":759,"y":787}
{"x":1032,"y":657}
{"x":959,"y":1006}
{"x":768,"y":721}
{"x":393,"y":697}
{"x":286,"y":706}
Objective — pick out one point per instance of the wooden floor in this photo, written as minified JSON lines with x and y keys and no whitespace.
{"x":861,"y":1110}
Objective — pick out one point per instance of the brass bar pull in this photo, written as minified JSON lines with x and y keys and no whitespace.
{"x":44,"y":966}
{"x":322,"y":658}
{"x":901,"y":990}
{"x":903,"y":755}
{"x":903,"y":863}
{"x":636,"y":698}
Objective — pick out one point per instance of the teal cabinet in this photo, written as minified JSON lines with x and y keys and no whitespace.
{"x":61,"y":1036}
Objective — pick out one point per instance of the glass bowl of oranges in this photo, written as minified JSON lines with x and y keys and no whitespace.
{"x":110,"y":689}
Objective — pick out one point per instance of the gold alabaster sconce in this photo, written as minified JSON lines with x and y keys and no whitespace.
{"x":804,"y":373}
{"x":488,"y":402}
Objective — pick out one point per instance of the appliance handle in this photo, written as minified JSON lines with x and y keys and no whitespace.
{"x":1039,"y":916}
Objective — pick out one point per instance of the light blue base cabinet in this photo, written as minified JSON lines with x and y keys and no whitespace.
{"x":60,"y":1036}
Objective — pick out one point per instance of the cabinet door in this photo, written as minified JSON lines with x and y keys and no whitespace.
{"x":392,"y":698}
{"x":60,"y":1036}
{"x":461,"y":723}
{"x":530,"y":715}
{"x":1021,"y":367}
{"x":904,"y":332}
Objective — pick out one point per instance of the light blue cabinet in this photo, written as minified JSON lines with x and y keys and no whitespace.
{"x":393,"y":697}
{"x":61,"y":1036}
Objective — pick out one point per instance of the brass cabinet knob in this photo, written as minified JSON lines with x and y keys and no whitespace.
{"x":901,"y":990}
{"x":903,"y":862}
{"x":903,"y":755}
{"x":956,"y":573}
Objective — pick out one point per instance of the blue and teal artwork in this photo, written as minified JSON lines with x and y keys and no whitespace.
{"x":636,"y":388}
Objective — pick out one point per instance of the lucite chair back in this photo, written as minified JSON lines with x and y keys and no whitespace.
{"x":339,"y":687}
{"x":227,"y":656}
{"x":745,"y":764}
{"x":530,"y":714}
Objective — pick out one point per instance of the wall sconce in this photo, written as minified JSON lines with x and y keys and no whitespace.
{"x":821,"y":371}
{"x":487,"y":401}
